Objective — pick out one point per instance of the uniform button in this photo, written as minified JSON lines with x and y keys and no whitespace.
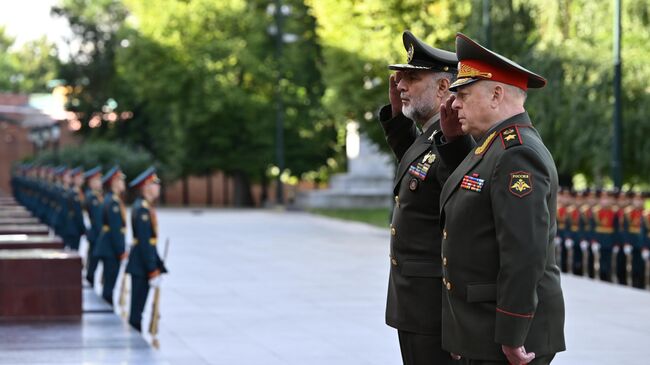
{"x":393,"y":261}
{"x":444,"y":234}
{"x":448,"y":286}
{"x":444,"y":261}
{"x":397,"y":200}
{"x":444,"y":281}
{"x":392,"y":230}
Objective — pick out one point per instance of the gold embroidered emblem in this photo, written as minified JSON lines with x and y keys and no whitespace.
{"x":480,"y":149}
{"x":467,"y":71}
{"x":509,"y":137}
{"x":409,"y":54}
{"x":520,"y":186}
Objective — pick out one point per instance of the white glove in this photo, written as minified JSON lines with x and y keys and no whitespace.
{"x":568,"y":243}
{"x":627,"y":249}
{"x":645,"y":254}
{"x":584,"y":245}
{"x":155,"y":281}
{"x":595,"y":247}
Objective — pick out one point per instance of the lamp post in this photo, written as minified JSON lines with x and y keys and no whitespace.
{"x":279,"y":12}
{"x":617,"y":174}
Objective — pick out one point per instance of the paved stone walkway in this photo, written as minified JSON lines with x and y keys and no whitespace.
{"x":285,"y":288}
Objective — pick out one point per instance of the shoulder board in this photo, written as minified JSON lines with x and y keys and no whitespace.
{"x":510,"y":137}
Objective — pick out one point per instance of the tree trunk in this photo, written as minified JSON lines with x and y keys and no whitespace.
{"x":242,"y":194}
{"x":208,"y":195}
{"x":226,"y":192}
{"x":264,"y":198}
{"x":186,"y":192}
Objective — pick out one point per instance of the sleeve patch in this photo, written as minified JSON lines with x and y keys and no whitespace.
{"x":521,"y":183}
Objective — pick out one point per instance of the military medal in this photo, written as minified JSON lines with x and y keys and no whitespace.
{"x":413,"y":184}
{"x":421,"y":169}
{"x":472,"y":183}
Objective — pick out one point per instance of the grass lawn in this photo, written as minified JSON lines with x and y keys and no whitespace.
{"x":375,"y":216}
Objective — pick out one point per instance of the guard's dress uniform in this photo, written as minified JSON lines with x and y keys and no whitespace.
{"x":75,"y":226}
{"x":606,"y":223}
{"x":498,"y":216}
{"x":632,"y":220}
{"x":414,"y":287}
{"x":110,"y":247}
{"x":94,"y":202}
{"x":562,"y":235}
{"x":144,"y":262}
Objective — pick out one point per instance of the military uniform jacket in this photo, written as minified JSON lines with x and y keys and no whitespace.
{"x":414,"y":289}
{"x":110,"y":243}
{"x":143,"y":258}
{"x":94,"y":210}
{"x":74,"y":220}
{"x":498,"y":216}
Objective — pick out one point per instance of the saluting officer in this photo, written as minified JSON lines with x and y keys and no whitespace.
{"x":144,"y":266}
{"x":503,"y":301}
{"x":110,"y":247}
{"x":412,"y":126}
{"x":94,"y":201}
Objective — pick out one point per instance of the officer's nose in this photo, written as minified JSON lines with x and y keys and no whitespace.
{"x":456,"y":105}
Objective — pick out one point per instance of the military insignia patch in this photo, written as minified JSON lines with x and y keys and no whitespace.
{"x":510,"y":137}
{"x":521,"y":183}
{"x":409,"y":54}
{"x":413,"y":184}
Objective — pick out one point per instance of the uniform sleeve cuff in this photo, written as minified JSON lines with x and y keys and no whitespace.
{"x":512,"y":328}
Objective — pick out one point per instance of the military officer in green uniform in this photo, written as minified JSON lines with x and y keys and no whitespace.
{"x":110,"y":247}
{"x":413,"y":131}
{"x":503,"y":303}
{"x":145,"y":266}
{"x":94,"y":201}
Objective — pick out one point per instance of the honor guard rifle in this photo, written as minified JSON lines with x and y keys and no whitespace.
{"x":155,"y":307}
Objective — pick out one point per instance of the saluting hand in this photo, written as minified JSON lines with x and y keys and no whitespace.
{"x":394,"y":93}
{"x":517,"y":355}
{"x":449,"y":123}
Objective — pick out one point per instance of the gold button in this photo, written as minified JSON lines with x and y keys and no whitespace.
{"x":444,"y":281}
{"x":392,"y":230}
{"x":393,"y":261}
{"x":444,"y":234}
{"x":448,"y":286}
{"x":444,"y":261}
{"x":397,"y":200}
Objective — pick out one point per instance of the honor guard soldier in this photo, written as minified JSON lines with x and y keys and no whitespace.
{"x":58,"y":204}
{"x":503,"y":301}
{"x":562,"y":202}
{"x":94,"y":201}
{"x":632,"y":218}
{"x":74,"y":226}
{"x":605,"y":215}
{"x":413,"y":131}
{"x":145,"y":265}
{"x":645,"y":242}
{"x":587,"y":243}
{"x":574,"y":235}
{"x":110,"y":247}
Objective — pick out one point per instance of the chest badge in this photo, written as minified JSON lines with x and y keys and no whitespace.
{"x":413,"y":184}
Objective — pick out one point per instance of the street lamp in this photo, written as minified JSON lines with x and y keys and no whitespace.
{"x":279,"y":12}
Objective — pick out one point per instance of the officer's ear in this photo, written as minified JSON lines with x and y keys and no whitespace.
{"x":497,"y":94}
{"x":443,"y":87}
